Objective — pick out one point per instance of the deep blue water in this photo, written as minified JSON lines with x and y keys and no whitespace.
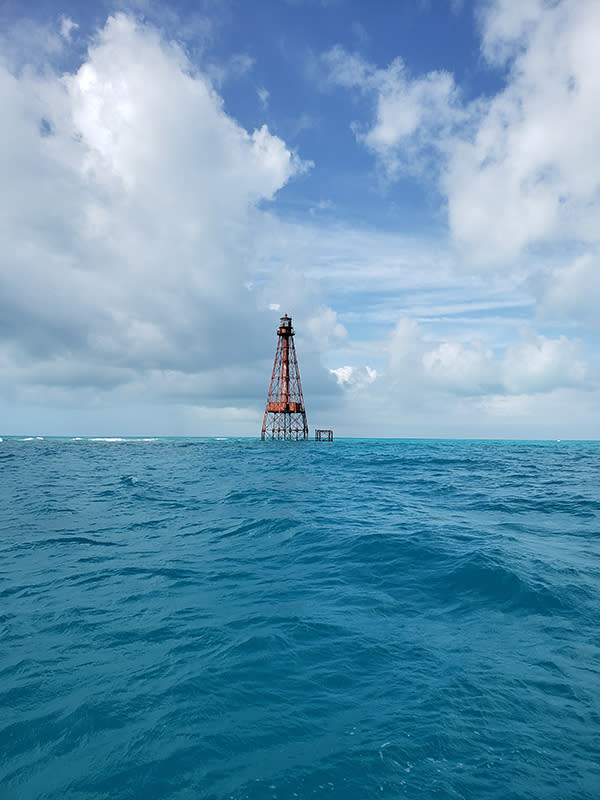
{"x":238,"y":619}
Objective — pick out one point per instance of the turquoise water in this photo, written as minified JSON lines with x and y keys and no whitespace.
{"x":243,"y":619}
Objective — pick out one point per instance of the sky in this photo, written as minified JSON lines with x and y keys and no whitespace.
{"x":417,"y":183}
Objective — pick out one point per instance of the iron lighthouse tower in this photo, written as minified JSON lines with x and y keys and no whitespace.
{"x":285,"y":417}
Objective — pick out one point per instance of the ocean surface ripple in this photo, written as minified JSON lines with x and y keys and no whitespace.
{"x":230,"y":618}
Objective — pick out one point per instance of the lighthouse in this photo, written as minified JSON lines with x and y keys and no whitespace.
{"x":285,"y":417}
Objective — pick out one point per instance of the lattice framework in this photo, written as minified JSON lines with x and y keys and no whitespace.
{"x":285,"y":416}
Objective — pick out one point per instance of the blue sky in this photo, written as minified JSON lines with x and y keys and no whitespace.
{"x":416,"y":183}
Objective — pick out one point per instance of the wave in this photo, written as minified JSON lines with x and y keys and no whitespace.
{"x":66,"y":540}
{"x":479,"y":579}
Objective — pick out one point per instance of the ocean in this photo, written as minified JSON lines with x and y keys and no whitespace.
{"x":235,"y":619}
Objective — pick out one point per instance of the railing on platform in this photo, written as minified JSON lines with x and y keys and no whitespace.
{"x":323,"y":435}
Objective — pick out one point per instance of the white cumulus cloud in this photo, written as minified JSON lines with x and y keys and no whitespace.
{"x":539,"y":364}
{"x":411,"y":112}
{"x":533,"y":364}
{"x":354,"y":377}
{"x":129,"y":199}
{"x":519,"y":168}
{"x":531,"y":173}
{"x":571,"y":290}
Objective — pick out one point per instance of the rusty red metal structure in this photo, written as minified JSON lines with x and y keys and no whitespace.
{"x":285,"y":417}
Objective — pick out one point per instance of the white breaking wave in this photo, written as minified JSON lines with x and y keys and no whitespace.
{"x":122,"y":439}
